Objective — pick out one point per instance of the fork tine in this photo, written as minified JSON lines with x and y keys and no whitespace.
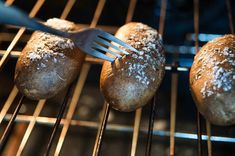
{"x":100,"y":55}
{"x":114,"y":39}
{"x":97,"y":46}
{"x":102,"y":41}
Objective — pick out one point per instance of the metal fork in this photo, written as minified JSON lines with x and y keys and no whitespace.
{"x":90,"y":40}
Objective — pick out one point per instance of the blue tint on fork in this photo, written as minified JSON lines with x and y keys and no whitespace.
{"x":82,"y":39}
{"x":116,"y":40}
{"x":99,"y":47}
{"x":106,"y":43}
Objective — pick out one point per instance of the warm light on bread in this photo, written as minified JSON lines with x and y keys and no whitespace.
{"x":48,"y":63}
{"x":130,"y":82}
{"x":212,"y":80}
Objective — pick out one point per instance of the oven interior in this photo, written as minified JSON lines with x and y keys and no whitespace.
{"x":79,"y":122}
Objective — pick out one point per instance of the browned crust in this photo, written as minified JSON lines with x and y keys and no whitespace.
{"x":130,"y":82}
{"x":212,"y":80}
{"x":48,"y":63}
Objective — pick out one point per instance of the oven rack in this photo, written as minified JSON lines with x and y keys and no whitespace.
{"x":102,"y":126}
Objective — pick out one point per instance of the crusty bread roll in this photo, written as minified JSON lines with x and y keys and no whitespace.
{"x":212,"y":80}
{"x":48,"y":63}
{"x":130,"y":82}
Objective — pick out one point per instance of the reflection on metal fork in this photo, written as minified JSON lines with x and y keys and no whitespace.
{"x":83,"y":39}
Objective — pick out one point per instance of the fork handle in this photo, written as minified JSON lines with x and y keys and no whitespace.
{"x":14,"y":16}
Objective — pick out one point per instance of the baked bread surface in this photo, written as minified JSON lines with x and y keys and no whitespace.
{"x":212,"y":80}
{"x":131,"y":81}
{"x":48,"y":64}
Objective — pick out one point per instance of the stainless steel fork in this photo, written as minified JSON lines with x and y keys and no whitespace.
{"x":92,"y":41}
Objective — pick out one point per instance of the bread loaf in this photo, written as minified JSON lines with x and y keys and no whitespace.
{"x":48,"y":63}
{"x":131,"y":81}
{"x":212,"y":80}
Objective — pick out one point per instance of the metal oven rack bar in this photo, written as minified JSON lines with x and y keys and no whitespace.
{"x":196,"y":29}
{"x":103,"y":126}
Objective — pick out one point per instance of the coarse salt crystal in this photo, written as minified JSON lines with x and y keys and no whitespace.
{"x":33,"y":56}
{"x":141,"y":52}
{"x":43,"y":65}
